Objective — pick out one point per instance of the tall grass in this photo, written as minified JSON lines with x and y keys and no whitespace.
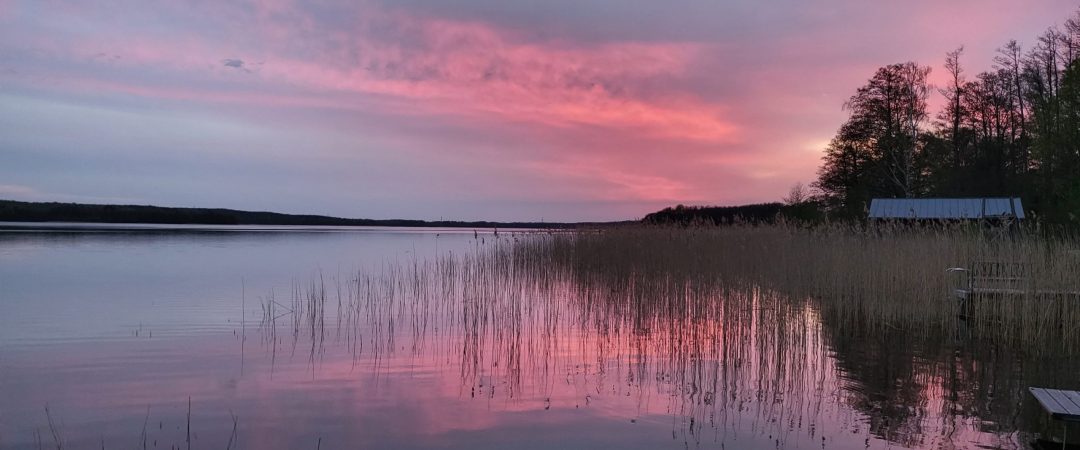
{"x":882,"y":277}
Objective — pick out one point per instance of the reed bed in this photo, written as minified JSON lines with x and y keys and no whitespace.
{"x":891,"y":277}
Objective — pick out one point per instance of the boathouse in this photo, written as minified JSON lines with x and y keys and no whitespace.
{"x":1003,"y":210}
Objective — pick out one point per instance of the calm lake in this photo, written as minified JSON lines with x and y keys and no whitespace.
{"x":335,"y":338}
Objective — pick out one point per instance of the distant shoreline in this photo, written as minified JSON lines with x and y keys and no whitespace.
{"x":82,"y":213}
{"x":133,"y":227}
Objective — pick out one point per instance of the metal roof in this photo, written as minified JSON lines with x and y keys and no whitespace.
{"x":945,"y":208}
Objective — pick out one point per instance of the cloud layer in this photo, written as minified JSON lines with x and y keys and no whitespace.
{"x":452,"y":109}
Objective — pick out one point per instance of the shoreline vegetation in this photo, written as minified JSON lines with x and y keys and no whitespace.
{"x":891,"y":279}
{"x":18,"y":211}
{"x":886,"y":277}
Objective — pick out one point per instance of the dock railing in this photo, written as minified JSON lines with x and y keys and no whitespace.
{"x":992,"y":277}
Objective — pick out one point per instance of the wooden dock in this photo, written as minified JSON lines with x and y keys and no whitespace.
{"x":966,"y":293}
{"x":998,"y":279}
{"x":1062,"y":405}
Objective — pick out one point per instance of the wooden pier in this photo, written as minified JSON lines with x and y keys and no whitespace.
{"x":996,"y":279}
{"x":1063,"y":406}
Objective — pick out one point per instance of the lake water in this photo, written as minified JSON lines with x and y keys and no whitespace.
{"x":279,"y":337}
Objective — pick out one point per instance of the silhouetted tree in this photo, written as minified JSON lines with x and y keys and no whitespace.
{"x":797,"y":195}
{"x":876,"y":151}
{"x":1013,"y":130}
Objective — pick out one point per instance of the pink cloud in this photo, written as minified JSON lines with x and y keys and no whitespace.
{"x":472,"y":73}
{"x":522,"y":108}
{"x":455,"y":68}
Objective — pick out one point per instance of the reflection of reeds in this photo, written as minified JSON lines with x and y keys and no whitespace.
{"x":53,"y":429}
{"x":713,"y":322}
{"x":144,"y":435}
{"x":232,"y":435}
{"x":512,"y":317}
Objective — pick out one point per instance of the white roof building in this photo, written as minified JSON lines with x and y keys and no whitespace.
{"x":946,"y":208}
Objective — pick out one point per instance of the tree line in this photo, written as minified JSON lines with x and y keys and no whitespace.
{"x":762,"y":213}
{"x":16,"y":211}
{"x":1011,"y":131}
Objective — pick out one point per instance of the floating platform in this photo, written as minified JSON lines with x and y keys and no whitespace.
{"x":1061,"y":404}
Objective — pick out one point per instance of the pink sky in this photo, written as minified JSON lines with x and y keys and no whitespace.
{"x":454,"y":109}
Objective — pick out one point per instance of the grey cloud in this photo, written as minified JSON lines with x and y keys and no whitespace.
{"x":239,"y":64}
{"x":105,"y":56}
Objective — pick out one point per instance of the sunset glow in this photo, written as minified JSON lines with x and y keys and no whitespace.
{"x":452,"y":109}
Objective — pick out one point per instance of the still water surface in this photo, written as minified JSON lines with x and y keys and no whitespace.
{"x":415,"y":338}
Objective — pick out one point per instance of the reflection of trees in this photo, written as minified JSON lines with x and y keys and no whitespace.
{"x":989,"y":383}
{"x":914,"y":386}
{"x":883,"y":378}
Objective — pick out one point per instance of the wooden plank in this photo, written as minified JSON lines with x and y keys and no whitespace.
{"x":1070,"y":408}
{"x":1060,"y":404}
{"x":993,"y":291}
{"x":1074,"y":396}
{"x":998,"y":278}
{"x":1050,"y":404}
{"x":998,"y":291}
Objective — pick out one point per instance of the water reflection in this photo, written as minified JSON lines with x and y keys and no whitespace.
{"x":712,"y":361}
{"x":482,"y":345}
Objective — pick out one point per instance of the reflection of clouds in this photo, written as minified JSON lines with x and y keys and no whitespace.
{"x":515,"y":335}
